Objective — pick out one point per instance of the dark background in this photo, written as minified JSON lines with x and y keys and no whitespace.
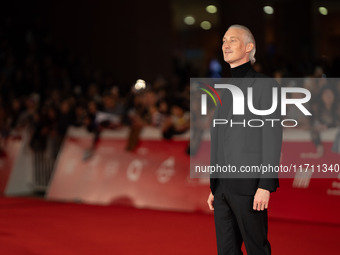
{"x":127,"y":40}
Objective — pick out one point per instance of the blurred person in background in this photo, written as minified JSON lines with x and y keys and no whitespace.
{"x":14,"y":113}
{"x":79,"y":115}
{"x":143,"y":112}
{"x":325,"y":116}
{"x":66,"y":119}
{"x":4,"y":129}
{"x":107,"y":116}
{"x":177,"y":123}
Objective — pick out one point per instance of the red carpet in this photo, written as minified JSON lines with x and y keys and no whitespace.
{"x":37,"y":227}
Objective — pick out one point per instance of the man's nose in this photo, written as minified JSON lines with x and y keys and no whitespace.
{"x":225,"y":45}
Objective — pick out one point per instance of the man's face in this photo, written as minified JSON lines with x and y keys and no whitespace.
{"x":235,"y":51}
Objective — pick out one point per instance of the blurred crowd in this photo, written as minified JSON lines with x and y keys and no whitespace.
{"x":47,"y":88}
{"x":324,"y":107}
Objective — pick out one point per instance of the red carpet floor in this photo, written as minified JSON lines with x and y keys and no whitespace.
{"x":37,"y":227}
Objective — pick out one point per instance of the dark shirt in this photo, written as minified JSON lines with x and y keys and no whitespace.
{"x":240,"y":71}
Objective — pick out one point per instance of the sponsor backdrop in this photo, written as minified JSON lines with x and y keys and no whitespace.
{"x":157,"y":176}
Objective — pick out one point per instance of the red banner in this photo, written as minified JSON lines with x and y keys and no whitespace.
{"x":157,"y":176}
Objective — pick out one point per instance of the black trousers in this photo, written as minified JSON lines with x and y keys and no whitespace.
{"x":237,"y":222}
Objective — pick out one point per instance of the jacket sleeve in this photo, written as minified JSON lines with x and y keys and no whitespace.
{"x":271,"y":136}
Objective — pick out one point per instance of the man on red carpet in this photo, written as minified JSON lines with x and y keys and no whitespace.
{"x":240,"y":204}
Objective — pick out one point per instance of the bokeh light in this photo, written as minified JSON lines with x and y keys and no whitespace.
{"x":211,"y":9}
{"x":206,"y":25}
{"x":323,"y":10}
{"x":140,"y":84}
{"x":189,"y":20}
{"x":268,"y":9}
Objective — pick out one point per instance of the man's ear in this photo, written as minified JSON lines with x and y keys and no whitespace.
{"x":249,"y":47}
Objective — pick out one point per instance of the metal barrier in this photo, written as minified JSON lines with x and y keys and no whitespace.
{"x":43,"y":165}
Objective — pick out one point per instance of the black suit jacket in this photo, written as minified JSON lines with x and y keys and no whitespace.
{"x":247,"y":146}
